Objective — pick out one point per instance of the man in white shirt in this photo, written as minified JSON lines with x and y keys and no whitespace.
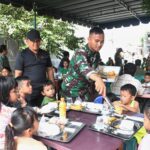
{"x":126,"y":78}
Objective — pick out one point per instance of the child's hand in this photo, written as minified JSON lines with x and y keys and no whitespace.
{"x":116,"y":103}
{"x":118,"y":107}
{"x":123,"y":107}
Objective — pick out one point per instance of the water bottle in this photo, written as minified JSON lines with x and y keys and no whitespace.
{"x":62,"y":109}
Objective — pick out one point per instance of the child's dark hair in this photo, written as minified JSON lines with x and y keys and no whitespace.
{"x":48,"y":83}
{"x":129,"y":68}
{"x":7,"y":68}
{"x":65,"y":60}
{"x":147,"y":74}
{"x":147,"y":111}
{"x":21,"y":120}
{"x":66,"y":54}
{"x":3,"y":48}
{"x":130,"y":88}
{"x":21,"y":78}
{"x":138,"y":62}
{"x":6,"y":85}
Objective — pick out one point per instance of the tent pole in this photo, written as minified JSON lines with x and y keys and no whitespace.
{"x":34,"y":9}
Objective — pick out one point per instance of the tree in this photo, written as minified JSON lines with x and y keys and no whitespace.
{"x":146,"y":5}
{"x":56,"y":34}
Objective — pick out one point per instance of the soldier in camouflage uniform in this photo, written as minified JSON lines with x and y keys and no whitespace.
{"x":81,"y":73}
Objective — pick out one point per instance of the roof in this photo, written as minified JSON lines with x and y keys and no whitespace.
{"x":103,"y":13}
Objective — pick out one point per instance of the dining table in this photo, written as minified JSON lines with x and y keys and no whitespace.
{"x":86,"y":139}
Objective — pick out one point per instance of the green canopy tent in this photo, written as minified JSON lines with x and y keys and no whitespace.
{"x":103,"y":13}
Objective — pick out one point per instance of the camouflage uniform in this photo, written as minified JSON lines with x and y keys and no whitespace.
{"x":76,"y":82}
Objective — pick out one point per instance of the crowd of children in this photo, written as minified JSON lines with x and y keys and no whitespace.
{"x":23,"y":122}
{"x":13,"y":95}
{"x":19,"y":122}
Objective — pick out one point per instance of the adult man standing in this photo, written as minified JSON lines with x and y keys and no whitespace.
{"x":81,"y":73}
{"x":36,"y":64}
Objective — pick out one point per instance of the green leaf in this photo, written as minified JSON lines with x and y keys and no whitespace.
{"x":56,"y":34}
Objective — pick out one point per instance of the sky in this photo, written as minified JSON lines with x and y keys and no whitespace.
{"x":128,"y":38}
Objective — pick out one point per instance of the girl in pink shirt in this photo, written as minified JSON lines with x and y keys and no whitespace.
{"x":7,"y":94}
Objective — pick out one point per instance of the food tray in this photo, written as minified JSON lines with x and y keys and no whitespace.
{"x":52,"y":113}
{"x":106,"y":72}
{"x":72,"y":128}
{"x":113,"y":131}
{"x":86,"y":110}
{"x":89,"y":107}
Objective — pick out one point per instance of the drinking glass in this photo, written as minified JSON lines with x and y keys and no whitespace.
{"x":69,"y":102}
{"x":99,"y":124}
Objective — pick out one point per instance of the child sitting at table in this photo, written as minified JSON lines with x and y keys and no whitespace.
{"x":145,"y":144}
{"x":23,"y":125}
{"x":24,"y":89}
{"x":48,"y":92}
{"x":127,"y":99}
{"x":146,"y":84}
{"x":128,"y":103}
{"x":7,"y":93}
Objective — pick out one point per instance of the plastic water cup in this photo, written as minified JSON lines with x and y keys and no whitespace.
{"x":69,"y":101}
{"x":99,"y":124}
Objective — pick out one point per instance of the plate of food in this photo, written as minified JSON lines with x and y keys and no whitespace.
{"x":123,"y":124}
{"x":47,"y":129}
